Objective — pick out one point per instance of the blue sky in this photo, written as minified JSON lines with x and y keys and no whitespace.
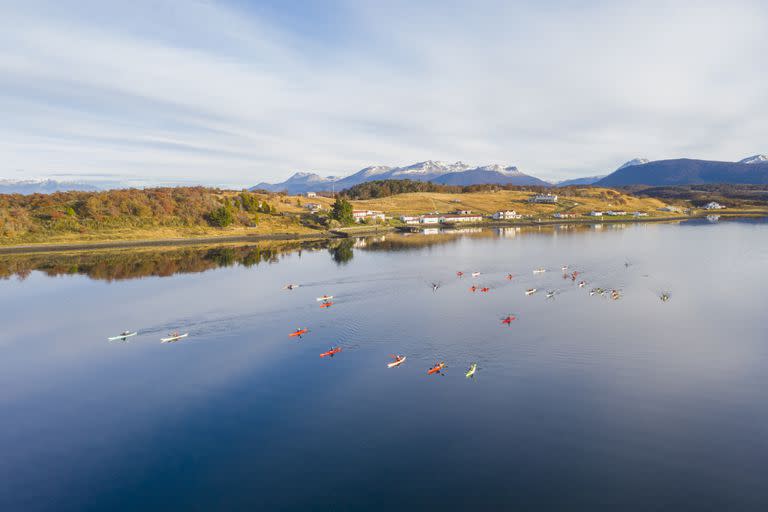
{"x":240,"y":92}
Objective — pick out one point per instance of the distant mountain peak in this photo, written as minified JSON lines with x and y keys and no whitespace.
{"x":755,"y":159}
{"x":634,"y":161}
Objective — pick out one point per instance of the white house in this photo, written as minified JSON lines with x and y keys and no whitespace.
{"x":713,"y":206}
{"x":461,"y":218}
{"x":507,"y":215}
{"x":410,"y":219}
{"x":311,"y":194}
{"x":595,"y":214}
{"x":430,"y":219}
{"x":544,"y":198}
{"x":463,"y":212}
{"x":560,"y":215}
{"x":639,"y":214}
{"x":313,"y":207}
{"x":361,"y":215}
{"x":615,"y":214}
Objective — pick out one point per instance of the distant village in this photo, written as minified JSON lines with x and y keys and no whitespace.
{"x":467,"y":216}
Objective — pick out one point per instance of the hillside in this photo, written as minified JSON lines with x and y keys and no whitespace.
{"x":578,"y":201}
{"x":145,"y":214}
{"x":684,"y":171}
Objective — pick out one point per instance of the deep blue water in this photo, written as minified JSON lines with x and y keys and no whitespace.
{"x":584,"y":403}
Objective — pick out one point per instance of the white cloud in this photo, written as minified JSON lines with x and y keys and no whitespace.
{"x":219,"y":94}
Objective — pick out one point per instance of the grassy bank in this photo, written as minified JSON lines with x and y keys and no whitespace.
{"x":172,"y":216}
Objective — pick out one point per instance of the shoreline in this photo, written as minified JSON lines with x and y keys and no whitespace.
{"x":338,"y":233}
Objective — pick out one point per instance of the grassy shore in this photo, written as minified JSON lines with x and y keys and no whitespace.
{"x":290,"y":218}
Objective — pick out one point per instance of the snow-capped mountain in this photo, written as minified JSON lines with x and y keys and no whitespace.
{"x":42,"y":186}
{"x":298,"y":183}
{"x":634,"y":161}
{"x":457,"y":173}
{"x":755,"y":159}
{"x":490,"y":174}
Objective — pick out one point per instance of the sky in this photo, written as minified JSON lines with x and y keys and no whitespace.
{"x":235,"y":92}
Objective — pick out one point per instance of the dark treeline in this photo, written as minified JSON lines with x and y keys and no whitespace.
{"x":730,"y":195}
{"x":386,"y":188}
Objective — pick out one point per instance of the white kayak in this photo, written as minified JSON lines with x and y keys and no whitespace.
{"x":174,"y":338}
{"x":324,"y":297}
{"x":475,"y":274}
{"x":539,"y":270}
{"x":530,"y":291}
{"x":397,"y":362}
{"x":126,"y":334}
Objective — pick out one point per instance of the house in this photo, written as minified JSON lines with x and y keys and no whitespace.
{"x":506,"y":215}
{"x":429,"y":219}
{"x":313,"y":207}
{"x":461,"y":218}
{"x":362,"y":215}
{"x":639,"y":214}
{"x":560,"y":215}
{"x":595,"y":214}
{"x":544,"y":198}
{"x":410,"y":219}
{"x":713,"y":206}
{"x":463,"y":212}
{"x":311,"y":194}
{"x":615,"y":214}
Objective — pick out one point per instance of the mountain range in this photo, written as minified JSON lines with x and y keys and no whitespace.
{"x":686,"y":171}
{"x":43,"y":186}
{"x":457,"y":173}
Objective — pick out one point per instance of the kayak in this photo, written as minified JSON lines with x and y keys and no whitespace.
{"x":509,"y":320}
{"x":397,"y":362}
{"x":326,"y":304}
{"x":291,"y":286}
{"x":124,"y":335}
{"x":334,"y":350}
{"x":174,"y":338}
{"x":298,"y":332}
{"x":472,"y":370}
{"x":539,"y":270}
{"x":475,"y":274}
{"x":324,"y":297}
{"x":530,"y":291}
{"x":437,"y":368}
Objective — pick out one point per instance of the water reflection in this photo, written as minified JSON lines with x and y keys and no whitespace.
{"x":115,"y":265}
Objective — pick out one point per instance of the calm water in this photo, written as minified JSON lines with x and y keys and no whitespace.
{"x":583,"y":403}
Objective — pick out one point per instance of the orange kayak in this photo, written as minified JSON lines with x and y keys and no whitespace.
{"x":326,"y":304}
{"x":334,"y":350}
{"x":438,"y":367}
{"x":298,"y":332}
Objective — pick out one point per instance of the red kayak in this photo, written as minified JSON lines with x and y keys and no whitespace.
{"x":473,"y":288}
{"x":437,"y":368}
{"x":460,"y":274}
{"x":510,"y":276}
{"x":326,"y":304}
{"x":298,"y":332}
{"x":509,"y":320}
{"x":485,"y":289}
{"x":331,"y":353}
